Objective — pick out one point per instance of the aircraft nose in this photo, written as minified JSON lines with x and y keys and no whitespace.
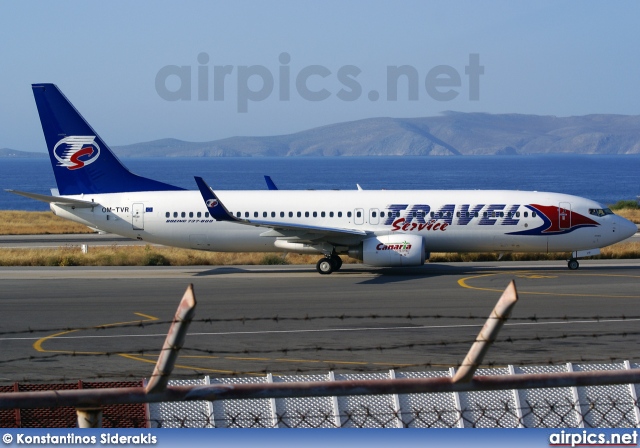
{"x":627,"y":228}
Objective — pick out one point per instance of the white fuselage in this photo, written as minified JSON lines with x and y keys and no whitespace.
{"x":447,"y":220}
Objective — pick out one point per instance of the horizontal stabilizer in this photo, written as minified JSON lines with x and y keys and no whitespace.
{"x":57,"y":200}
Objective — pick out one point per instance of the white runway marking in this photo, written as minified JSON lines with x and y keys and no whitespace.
{"x":325,"y":330}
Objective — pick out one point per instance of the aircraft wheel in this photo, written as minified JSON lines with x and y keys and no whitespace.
{"x":325,"y":266}
{"x":573,"y":264}
{"x":337,"y":262}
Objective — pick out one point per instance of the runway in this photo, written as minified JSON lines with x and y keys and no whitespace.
{"x":109,"y":323}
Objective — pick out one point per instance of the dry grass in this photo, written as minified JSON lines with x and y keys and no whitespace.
{"x":14,"y":222}
{"x":632,"y":214}
{"x":144,"y":256}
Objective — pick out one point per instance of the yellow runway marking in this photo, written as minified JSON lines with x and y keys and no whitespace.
{"x":463,"y":283}
{"x":38,"y":344}
{"x":151,"y":358}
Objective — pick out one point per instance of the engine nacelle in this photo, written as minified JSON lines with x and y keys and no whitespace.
{"x":394,"y":250}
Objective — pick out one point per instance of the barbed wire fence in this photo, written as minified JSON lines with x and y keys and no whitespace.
{"x":578,"y":403}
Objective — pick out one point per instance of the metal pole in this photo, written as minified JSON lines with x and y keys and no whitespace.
{"x":488,"y":334}
{"x":132,"y":395}
{"x":89,"y":417}
{"x":173,"y":343}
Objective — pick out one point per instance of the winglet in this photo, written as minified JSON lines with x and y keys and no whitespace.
{"x":217,"y":210}
{"x":270,"y":184}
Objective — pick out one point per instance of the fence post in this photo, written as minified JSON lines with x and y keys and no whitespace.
{"x":488,"y":334}
{"x":173,"y":343}
{"x":634,"y":396}
{"x":396,"y":403}
{"x":516,"y":399}
{"x":576,"y":399}
{"x":456,"y":400}
{"x":210,"y":409}
{"x":272,"y":402}
{"x":89,"y":417}
{"x":336,"y":407}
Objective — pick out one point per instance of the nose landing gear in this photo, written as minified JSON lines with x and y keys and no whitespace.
{"x":573,"y":264}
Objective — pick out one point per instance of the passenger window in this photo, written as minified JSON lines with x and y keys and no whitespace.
{"x":183,"y":215}
{"x":526,"y":214}
{"x":458,"y":214}
{"x":517,"y":214}
{"x":246,"y":214}
{"x":306,"y":214}
{"x":373,"y":214}
{"x":475,"y":214}
{"x":433,"y":215}
{"x":238,"y":214}
{"x":382,"y":214}
{"x":199,"y":214}
{"x":290,"y":214}
{"x":190,"y":214}
{"x":339,"y":214}
{"x":264,"y":214}
{"x":484,"y":214}
{"x":206,"y":214}
{"x":168,"y":214}
{"x":359,"y":214}
{"x":533,"y":214}
{"x":255,"y":214}
{"x":330,"y":214}
{"x":323,"y":214}
{"x":299,"y":214}
{"x":273,"y":214}
{"x":282,"y":214}
{"x":315,"y":214}
{"x":348,"y":214}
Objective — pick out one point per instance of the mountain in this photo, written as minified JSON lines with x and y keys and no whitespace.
{"x":453,"y":133}
{"x":15,"y":154}
{"x":450,"y":134}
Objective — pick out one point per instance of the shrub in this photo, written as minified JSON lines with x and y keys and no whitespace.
{"x":629,"y":203}
{"x":272,"y":259}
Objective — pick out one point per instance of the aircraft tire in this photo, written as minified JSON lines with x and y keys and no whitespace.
{"x":337,"y":262}
{"x":573,"y":264}
{"x":325,"y":266}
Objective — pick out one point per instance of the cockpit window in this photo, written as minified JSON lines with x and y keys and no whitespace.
{"x":600,"y":211}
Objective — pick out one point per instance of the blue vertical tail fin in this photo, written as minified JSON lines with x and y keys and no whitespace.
{"x":82,"y":162}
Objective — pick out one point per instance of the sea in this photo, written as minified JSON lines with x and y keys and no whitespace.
{"x":604,"y":178}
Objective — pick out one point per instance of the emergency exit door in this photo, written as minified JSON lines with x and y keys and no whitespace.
{"x":564,"y":215}
{"x":137,"y":216}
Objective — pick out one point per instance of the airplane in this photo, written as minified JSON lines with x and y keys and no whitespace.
{"x":384,"y":228}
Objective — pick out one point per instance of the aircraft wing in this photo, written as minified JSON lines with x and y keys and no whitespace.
{"x":283,"y":230}
{"x":57,"y":200}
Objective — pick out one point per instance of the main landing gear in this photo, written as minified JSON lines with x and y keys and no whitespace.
{"x":329,"y":264}
{"x":573,"y":264}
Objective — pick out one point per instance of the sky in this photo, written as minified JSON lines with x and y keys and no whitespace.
{"x":206,"y":70}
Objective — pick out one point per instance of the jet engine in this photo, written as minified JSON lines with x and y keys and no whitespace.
{"x":394,"y":250}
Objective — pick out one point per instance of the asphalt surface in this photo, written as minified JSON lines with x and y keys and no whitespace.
{"x":63,"y":324}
